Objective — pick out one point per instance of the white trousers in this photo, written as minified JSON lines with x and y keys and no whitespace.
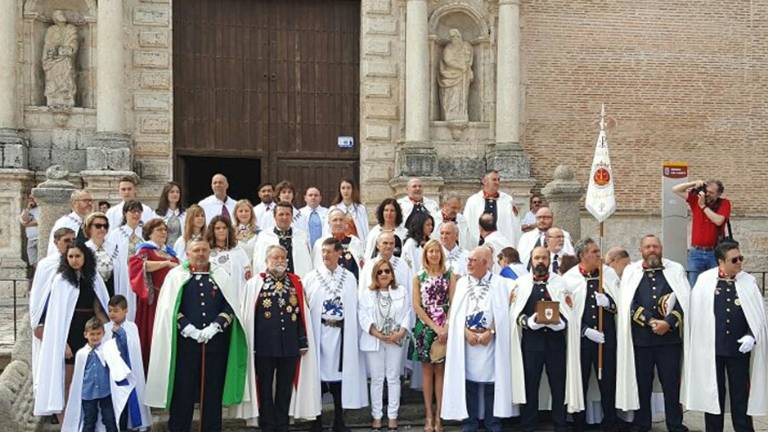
{"x":387,"y":363}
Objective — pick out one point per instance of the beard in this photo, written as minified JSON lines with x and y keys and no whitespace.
{"x":540,"y":270}
{"x":652,"y":260}
{"x":278,"y":271}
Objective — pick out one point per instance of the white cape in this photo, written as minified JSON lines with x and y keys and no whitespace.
{"x":406,"y":205}
{"x":373,"y":236}
{"x":354,"y":392}
{"x":109,"y":355}
{"x":627,"y":398}
{"x":159,"y":370}
{"x":38,"y":296}
{"x":700,"y":367}
{"x":71,"y":221}
{"x":454,"y":391}
{"x":359,"y":214}
{"x":137,"y":368}
{"x":49,"y":397}
{"x":306,"y":400}
{"x":558,"y":290}
{"x":302,"y":259}
{"x":356,"y":248}
{"x":528,"y":241}
{"x":577,"y":287}
{"x":508,"y":223}
{"x":119,"y":237}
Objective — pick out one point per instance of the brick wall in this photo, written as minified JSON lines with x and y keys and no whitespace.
{"x":685,"y":81}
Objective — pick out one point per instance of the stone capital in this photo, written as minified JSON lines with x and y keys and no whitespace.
{"x":110,"y":151}
{"x":14,"y":149}
{"x":416,"y":159}
{"x":509,"y":160}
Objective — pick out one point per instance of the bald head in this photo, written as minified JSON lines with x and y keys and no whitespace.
{"x":219,"y":186}
{"x":479,"y":261}
{"x":617,"y":258}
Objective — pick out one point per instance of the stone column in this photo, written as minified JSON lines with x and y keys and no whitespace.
{"x":13,"y":144}
{"x":416,"y":156}
{"x":52,"y":197}
{"x":563,"y":194}
{"x":111,"y":147}
{"x":16,"y":185}
{"x":507,"y":155}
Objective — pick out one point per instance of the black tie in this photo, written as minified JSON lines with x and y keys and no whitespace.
{"x":555,"y":265}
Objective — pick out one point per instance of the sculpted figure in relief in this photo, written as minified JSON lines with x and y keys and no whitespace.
{"x":455,"y":77}
{"x":59,"y":53}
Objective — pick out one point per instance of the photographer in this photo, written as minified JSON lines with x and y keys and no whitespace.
{"x":709,"y":212}
{"x":28,"y":219}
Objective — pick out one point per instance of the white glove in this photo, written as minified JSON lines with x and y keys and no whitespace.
{"x":747,"y":343}
{"x":602,"y":300}
{"x":671,"y":302}
{"x":209,"y":332}
{"x":557,"y":327}
{"x":594,"y":335}
{"x":532,"y":324}
{"x":190,"y":331}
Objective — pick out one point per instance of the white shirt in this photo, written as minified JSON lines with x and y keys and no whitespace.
{"x":359,"y":214}
{"x":115,"y":215}
{"x":212,"y":207}
{"x":479,"y":358}
{"x":406,"y":205}
{"x":456,"y":260}
{"x":529,"y":239}
{"x":260,"y":211}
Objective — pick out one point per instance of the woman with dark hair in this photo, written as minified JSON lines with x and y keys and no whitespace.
{"x":147,"y":269}
{"x":385,"y":317}
{"x":389,"y":216}
{"x":348,"y":200}
{"x":77,"y":294}
{"x":419,"y":231}
{"x":171,"y":210}
{"x":127,"y":239}
{"x":96,"y":227}
{"x":194,"y":226}
{"x":225,"y":252}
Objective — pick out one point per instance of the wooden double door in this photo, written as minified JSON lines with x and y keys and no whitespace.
{"x":275,"y":82}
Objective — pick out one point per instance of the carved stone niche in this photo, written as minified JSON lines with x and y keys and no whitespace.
{"x":473,"y":28}
{"x":38,"y":17}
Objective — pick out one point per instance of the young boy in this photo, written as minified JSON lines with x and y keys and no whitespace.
{"x":99,"y":388}
{"x":136,"y":415}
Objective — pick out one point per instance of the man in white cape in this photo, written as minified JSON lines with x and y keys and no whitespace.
{"x":493,"y":239}
{"x":331,"y":293}
{"x":650,"y":332}
{"x":583,"y":283}
{"x":386,"y":247}
{"x":727,"y":332}
{"x":491,"y":200}
{"x":126,"y":188}
{"x":261,"y":307}
{"x":450,"y":213}
{"x":456,"y":257}
{"x":477,"y":358}
{"x":538,"y":236}
{"x":295,"y":241}
{"x":120,"y":383}
{"x":41,"y":289}
{"x":534,"y":345}
{"x":415,"y":201}
{"x":353,"y":248}
{"x":188,"y":327}
{"x":81,"y":203}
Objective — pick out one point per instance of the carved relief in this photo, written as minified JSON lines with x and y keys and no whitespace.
{"x":59,"y":53}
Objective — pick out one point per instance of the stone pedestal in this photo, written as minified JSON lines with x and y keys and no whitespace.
{"x":109,"y":151}
{"x":564,"y":194}
{"x":52,"y":197}
{"x":16,"y":184}
{"x":431,"y":186}
{"x":14,"y":149}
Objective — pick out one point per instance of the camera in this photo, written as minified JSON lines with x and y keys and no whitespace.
{"x":702,"y":189}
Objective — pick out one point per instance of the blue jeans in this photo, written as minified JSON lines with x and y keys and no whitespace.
{"x":472,"y":423}
{"x":91,"y":414}
{"x":699,"y":261}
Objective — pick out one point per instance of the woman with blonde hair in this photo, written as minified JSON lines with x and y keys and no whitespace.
{"x":432,"y":293}
{"x":194,"y":226}
{"x":384,"y":316}
{"x":246,"y":230}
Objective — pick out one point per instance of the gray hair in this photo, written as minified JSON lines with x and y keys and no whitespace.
{"x":452,"y":225}
{"x":275,"y":247}
{"x":581,"y":246}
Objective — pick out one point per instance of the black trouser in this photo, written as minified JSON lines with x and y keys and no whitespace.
{"x":334,"y":388}
{"x":186,"y":388}
{"x":90,"y":414}
{"x":666,"y":359}
{"x":738,"y":390}
{"x":533,"y":363}
{"x":275,"y":372}
{"x":607,"y":384}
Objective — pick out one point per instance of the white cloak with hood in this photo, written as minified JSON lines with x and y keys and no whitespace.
{"x":38,"y":296}
{"x":507,"y":222}
{"x":454,"y":391}
{"x":700,"y":375}
{"x":136,"y":368}
{"x":627,"y":398}
{"x":302,"y":258}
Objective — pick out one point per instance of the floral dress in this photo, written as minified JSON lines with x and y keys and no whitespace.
{"x":434,"y":301}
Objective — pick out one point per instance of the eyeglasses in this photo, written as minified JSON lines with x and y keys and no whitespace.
{"x":535,"y":202}
{"x":383,"y":271}
{"x":101,"y":226}
{"x":739,"y":258}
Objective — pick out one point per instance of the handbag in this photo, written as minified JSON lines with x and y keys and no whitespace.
{"x":437,"y":352}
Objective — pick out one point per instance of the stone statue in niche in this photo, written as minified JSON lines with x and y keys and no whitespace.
{"x":455,"y":77}
{"x":59,"y":54}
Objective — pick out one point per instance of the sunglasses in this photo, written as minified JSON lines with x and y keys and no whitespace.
{"x":101,"y":226}
{"x":739,"y":258}
{"x":383,"y":271}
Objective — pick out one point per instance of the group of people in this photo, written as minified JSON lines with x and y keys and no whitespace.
{"x":260,"y":310}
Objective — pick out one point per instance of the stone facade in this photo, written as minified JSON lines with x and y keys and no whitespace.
{"x":679,"y":81}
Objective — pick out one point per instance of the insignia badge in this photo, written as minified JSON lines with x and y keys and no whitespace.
{"x":602,"y":176}
{"x":737,"y":302}
{"x":267,"y":314}
{"x":223,"y":259}
{"x":293,"y":317}
{"x":267,"y":303}
{"x":294,"y":301}
{"x":279,"y":285}
{"x":289,"y":309}
{"x":348,"y":256}
{"x":281,"y":302}
{"x":197,"y":277}
{"x":549,"y":314}
{"x":569,"y":301}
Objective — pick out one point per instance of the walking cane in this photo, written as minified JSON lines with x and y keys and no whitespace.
{"x":202,"y":385}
